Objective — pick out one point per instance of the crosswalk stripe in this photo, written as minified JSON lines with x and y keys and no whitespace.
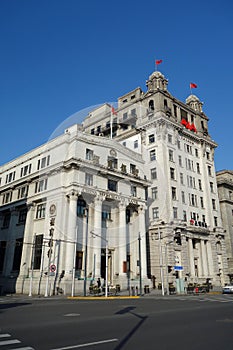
{"x":24,"y":348}
{"x":8,"y":342}
{"x":4,"y":335}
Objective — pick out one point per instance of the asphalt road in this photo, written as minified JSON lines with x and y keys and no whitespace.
{"x":195,"y":322}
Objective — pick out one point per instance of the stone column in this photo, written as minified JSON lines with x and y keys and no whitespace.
{"x":191,"y":258}
{"x":97,"y":241}
{"x":199,"y":262}
{"x":71,"y":235}
{"x":204,"y":259}
{"x":122,"y":237}
{"x":26,"y":257}
{"x":142,"y":232}
{"x":210,"y":258}
{"x":10,"y":248}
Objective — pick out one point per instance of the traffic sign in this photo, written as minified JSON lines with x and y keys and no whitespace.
{"x":52,"y":268}
{"x":178,"y":268}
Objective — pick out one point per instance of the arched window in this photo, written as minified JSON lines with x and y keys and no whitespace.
{"x":151,"y":105}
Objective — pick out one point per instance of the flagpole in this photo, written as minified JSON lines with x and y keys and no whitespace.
{"x":111,"y":125}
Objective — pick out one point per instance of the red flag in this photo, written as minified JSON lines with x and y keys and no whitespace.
{"x":193,"y":86}
{"x":158,"y":62}
{"x":113,"y":111}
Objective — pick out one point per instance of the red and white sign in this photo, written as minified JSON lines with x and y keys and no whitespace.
{"x":52,"y":268}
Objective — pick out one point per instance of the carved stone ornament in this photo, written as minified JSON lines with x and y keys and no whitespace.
{"x":52,"y":209}
{"x":113,"y":153}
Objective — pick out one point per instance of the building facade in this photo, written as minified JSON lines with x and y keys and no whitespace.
{"x":186,"y":240}
{"x":225,"y":192}
{"x":132,"y":189}
{"x":65,"y":207}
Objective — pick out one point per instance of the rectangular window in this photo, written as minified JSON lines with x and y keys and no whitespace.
{"x":40,"y":211}
{"x":125,"y":116}
{"x":6,"y":219}
{"x":209,"y":170}
{"x":153,"y":174}
{"x":133,"y":191}
{"x":173,"y":193}
{"x":22,"y":216}
{"x":183,"y":197}
{"x":200,"y":184}
{"x":41,"y":185}
{"x":155,"y":213}
{"x":184,"y":215}
{"x":135,"y":144}
{"x":211,"y":187}
{"x":112,"y":185}
{"x":152,"y":155}
{"x":154,"y":193}
{"x":43,"y":162}
{"x":38,"y":251}
{"x":2,"y":253}
{"x":182,"y":178}
{"x":88,"y":179}
{"x":170,"y":155}
{"x":196,"y":152}
{"x":79,"y":260}
{"x":7,"y":197}
{"x":180,"y":161}
{"x":215,"y":221}
{"x":175,"y":212}
{"x":26,"y":170}
{"x":17,"y":254}
{"x":202,"y":202}
{"x":112,"y":163}
{"x":23,"y":192}
{"x":89,"y":154}
{"x":92,"y":131}
{"x":10,"y":177}
{"x":198,"y":168}
{"x":214,"y":204}
{"x":169,"y":138}
{"x":172,"y":173}
{"x":151,"y":138}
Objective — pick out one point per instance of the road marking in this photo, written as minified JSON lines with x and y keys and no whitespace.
{"x":4,"y":335}
{"x":8,"y":342}
{"x":87,"y":344}
{"x":71,"y":315}
{"x":25,"y":348}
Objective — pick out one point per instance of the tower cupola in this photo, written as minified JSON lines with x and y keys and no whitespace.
{"x":157,"y":81}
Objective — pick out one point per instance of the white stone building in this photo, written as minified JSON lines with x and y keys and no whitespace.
{"x":186,"y":241}
{"x":61,"y":204}
{"x":225,"y":192}
{"x":141,"y":175}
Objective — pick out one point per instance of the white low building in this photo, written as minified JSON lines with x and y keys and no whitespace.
{"x":63,"y":206}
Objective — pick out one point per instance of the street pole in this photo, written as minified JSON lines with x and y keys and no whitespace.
{"x":85,"y":261}
{"x":32,"y":265}
{"x":140,"y":265}
{"x":166,"y":266}
{"x":106,"y":271}
{"x":161,"y":261}
{"x":74,"y":262}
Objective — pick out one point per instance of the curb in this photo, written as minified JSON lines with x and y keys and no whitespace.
{"x":103,"y":298}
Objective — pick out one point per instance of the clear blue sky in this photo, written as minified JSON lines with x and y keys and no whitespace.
{"x":61,"y":56}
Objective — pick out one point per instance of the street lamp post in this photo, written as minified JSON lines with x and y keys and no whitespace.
{"x":106,"y":261}
{"x":140,"y":265}
{"x":85,"y":258}
{"x":74,"y":262}
{"x":161,"y":261}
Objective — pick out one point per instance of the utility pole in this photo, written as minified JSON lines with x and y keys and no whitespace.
{"x":140,"y":265}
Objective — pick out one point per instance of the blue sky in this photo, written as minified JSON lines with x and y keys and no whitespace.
{"x":61,"y":56}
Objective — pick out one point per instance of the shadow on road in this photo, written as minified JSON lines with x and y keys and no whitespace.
{"x":142,"y":319}
{"x":11,"y":305}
